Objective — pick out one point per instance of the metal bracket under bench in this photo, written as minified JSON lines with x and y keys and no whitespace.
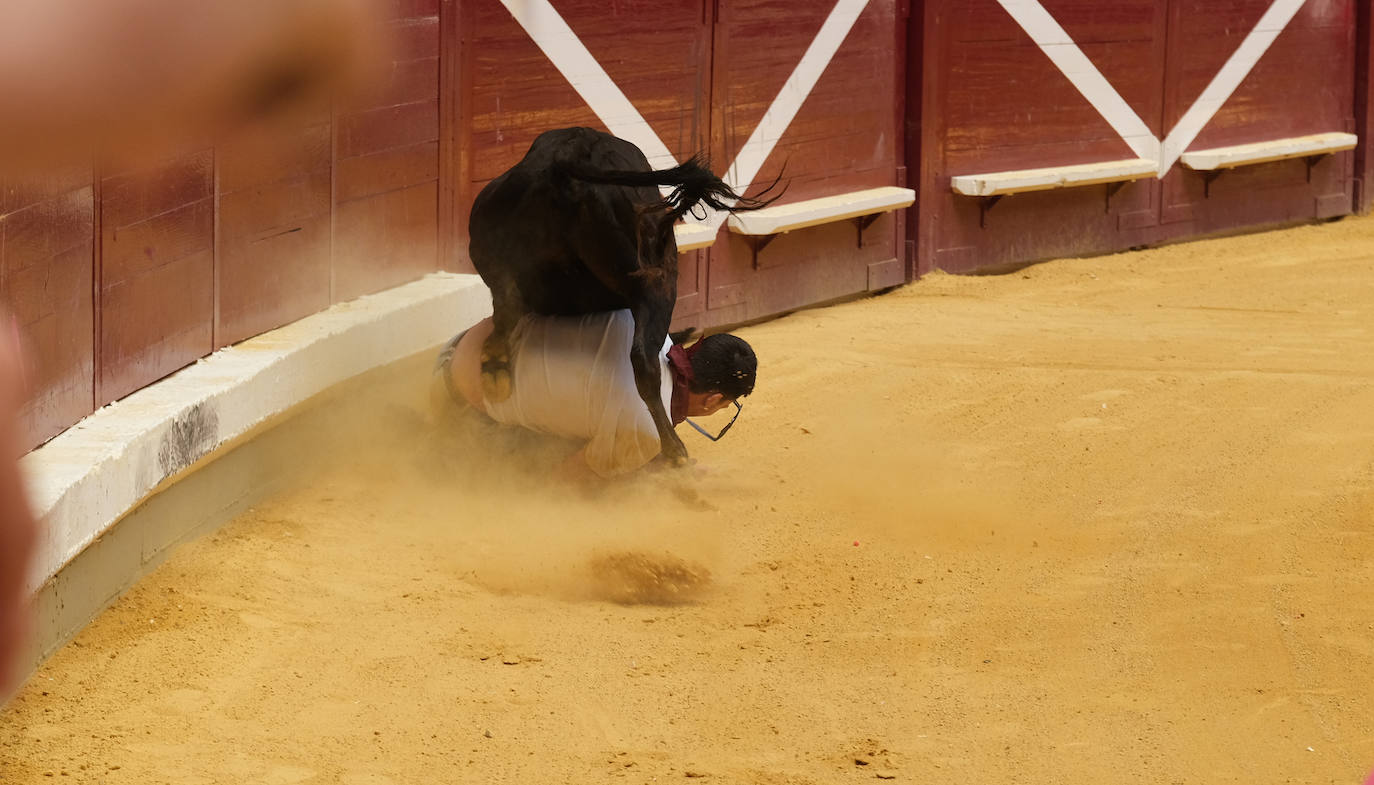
{"x":990,"y":187}
{"x":1212,"y":162}
{"x":861,"y":208}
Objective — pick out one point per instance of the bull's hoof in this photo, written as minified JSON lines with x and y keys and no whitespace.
{"x":496,"y":385}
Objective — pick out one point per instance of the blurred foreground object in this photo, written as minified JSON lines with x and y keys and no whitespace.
{"x":17,"y":528}
{"x":129,"y":75}
{"x":115,"y":83}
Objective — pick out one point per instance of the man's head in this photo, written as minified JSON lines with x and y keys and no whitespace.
{"x":723,"y":371}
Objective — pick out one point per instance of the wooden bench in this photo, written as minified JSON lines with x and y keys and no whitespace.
{"x":1050,"y":177}
{"x":992,"y":186}
{"x":861,"y":207}
{"x":691,"y":236}
{"x":1212,"y":162}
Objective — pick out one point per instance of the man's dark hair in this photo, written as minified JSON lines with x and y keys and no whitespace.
{"x":723,"y":364}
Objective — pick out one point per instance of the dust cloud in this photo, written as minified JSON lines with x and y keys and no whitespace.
{"x":486,"y":494}
{"x":1100,"y":520}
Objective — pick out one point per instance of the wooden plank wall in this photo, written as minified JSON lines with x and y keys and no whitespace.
{"x":702,"y":74}
{"x":273,"y":264}
{"x":121,"y":276}
{"x":1364,"y":107}
{"x":846,"y":137}
{"x":997,"y":103}
{"x":387,"y":165}
{"x":157,"y":256}
{"x":1000,"y":104}
{"x":1303,"y":85}
{"x":46,"y":250}
{"x":658,"y":54}
{"x":118,"y":275}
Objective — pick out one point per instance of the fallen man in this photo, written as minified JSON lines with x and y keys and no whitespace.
{"x":572,"y":378}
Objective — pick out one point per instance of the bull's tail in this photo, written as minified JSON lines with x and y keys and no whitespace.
{"x":693,"y":185}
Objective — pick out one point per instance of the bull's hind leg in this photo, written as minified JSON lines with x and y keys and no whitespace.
{"x":607,"y":248}
{"x":653,"y":312}
{"x":506,"y":310}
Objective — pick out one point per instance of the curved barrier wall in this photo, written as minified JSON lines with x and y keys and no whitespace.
{"x":85,"y":482}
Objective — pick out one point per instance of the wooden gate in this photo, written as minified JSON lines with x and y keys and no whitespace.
{"x":694,"y":76}
{"x":1062,"y":127}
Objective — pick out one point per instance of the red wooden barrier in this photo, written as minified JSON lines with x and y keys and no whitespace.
{"x":121,"y":279}
{"x":156,"y":271}
{"x":1364,"y":106}
{"x":386,"y":189}
{"x":845,"y":137}
{"x":273,"y":261}
{"x":659,"y":55}
{"x":997,"y":102}
{"x":46,"y":241}
{"x":1290,"y":92}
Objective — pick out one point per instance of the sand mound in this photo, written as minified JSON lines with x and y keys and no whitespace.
{"x":631,"y":578}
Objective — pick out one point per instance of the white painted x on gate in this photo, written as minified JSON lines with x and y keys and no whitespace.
{"x":561,"y":45}
{"x":1070,"y":60}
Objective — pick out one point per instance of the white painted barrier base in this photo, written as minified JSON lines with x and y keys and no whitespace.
{"x":84,"y":480}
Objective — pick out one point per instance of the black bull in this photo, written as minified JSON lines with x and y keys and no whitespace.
{"x":578,"y":226}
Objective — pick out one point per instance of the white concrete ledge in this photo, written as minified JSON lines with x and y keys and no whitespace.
{"x":85,"y":479}
{"x":827,"y":209}
{"x":1024,"y":180}
{"x":1265,"y":152}
{"x":691,"y":236}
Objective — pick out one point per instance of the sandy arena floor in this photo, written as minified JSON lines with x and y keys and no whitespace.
{"x":1097,"y":521}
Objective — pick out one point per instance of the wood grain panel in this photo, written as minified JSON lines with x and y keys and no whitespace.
{"x":1303,"y":84}
{"x":383,"y":129}
{"x":409,"y":82}
{"x":658,"y":54}
{"x":139,"y":249}
{"x":1290,"y":92}
{"x":517,"y":93}
{"x":796,"y":270}
{"x":999,"y":104}
{"x":261,"y":161}
{"x":130,"y":197}
{"x":274,"y":280}
{"x":416,"y":37}
{"x":155,"y":325}
{"x":1364,"y":107}
{"x":385,"y":240}
{"x":844,"y":137}
{"x":993,"y":103}
{"x":842,"y":134}
{"x":405,"y":9}
{"x":388,"y":170}
{"x":156,"y":275}
{"x":46,"y":256}
{"x":386,"y":166}
{"x":1014,"y":97}
{"x":17,"y":193}
{"x":249,"y":214}
{"x":1087,"y":21}
{"x":273,"y":263}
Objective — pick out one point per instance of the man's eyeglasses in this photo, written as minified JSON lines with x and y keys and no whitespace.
{"x":719,"y":436}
